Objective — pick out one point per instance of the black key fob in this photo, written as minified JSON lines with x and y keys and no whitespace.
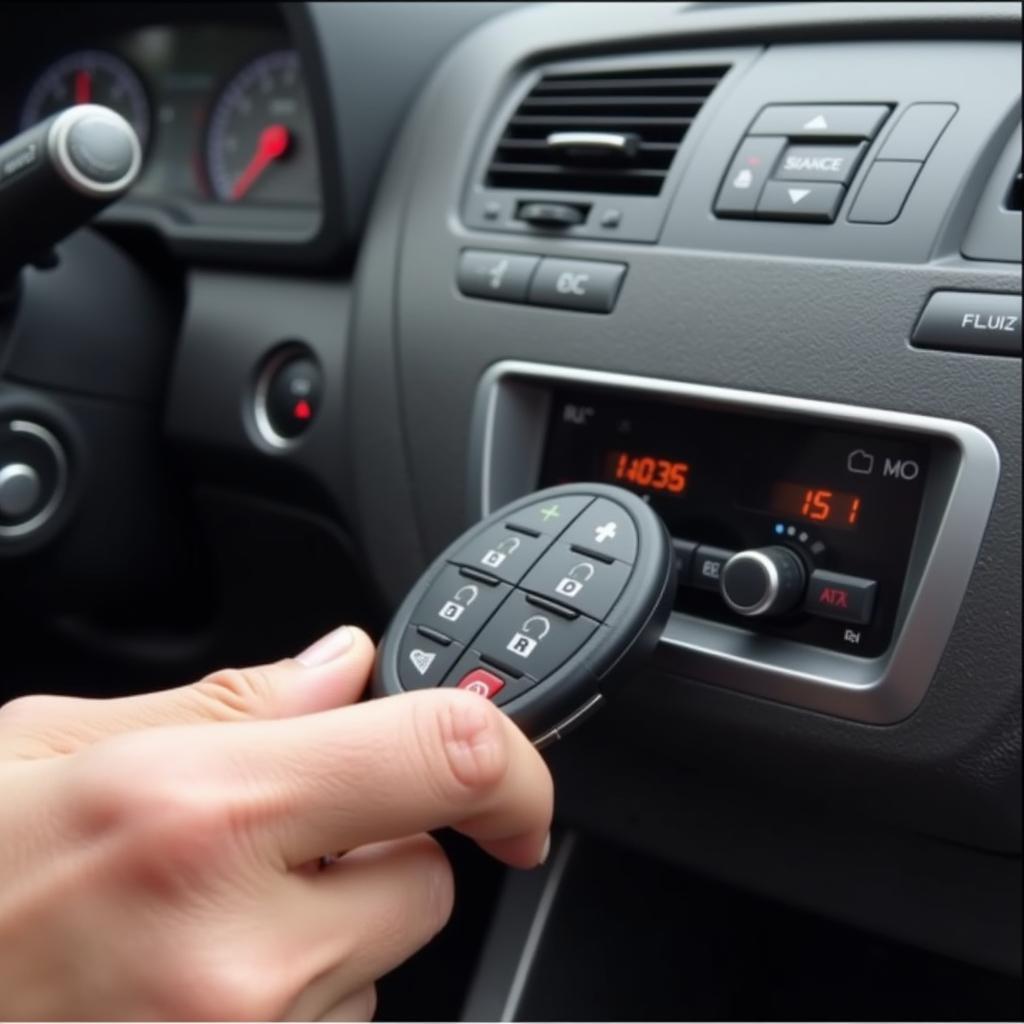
{"x":540,"y":608}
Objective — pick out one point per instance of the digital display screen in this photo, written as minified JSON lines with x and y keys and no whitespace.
{"x":822,"y":505}
{"x":846,"y":501}
{"x":648,"y":471}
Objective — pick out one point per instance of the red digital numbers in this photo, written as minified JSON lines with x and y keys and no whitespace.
{"x":647,"y":471}
{"x":816,"y":505}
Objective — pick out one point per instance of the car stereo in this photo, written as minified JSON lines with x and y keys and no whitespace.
{"x":823,"y":549}
{"x":845,"y":504}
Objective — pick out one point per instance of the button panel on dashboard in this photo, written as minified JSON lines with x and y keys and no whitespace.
{"x":587,"y":286}
{"x":805,"y":180}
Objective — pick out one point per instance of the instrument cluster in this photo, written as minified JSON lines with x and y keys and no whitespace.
{"x":222,"y":111}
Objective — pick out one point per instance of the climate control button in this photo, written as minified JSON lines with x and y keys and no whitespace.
{"x":763,"y":581}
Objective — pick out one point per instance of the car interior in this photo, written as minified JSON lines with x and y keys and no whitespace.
{"x":368,"y":272}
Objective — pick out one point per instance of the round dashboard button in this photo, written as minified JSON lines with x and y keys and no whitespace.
{"x":288,"y":398}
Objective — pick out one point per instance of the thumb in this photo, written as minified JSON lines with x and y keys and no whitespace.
{"x":330,"y":673}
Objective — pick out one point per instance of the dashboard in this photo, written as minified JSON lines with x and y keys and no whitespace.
{"x":218,"y":99}
{"x":391,"y":266}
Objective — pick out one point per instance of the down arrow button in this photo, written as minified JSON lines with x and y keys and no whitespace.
{"x":808,"y":201}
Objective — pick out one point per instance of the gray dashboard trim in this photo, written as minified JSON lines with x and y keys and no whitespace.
{"x":879,"y":691}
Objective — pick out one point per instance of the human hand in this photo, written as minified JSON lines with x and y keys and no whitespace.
{"x":157,"y":853}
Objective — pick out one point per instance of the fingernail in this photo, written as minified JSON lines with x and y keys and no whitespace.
{"x":327,"y":648}
{"x":545,"y":850}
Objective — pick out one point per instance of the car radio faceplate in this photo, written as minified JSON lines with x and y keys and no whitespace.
{"x":845,"y":502}
{"x":884,"y":512}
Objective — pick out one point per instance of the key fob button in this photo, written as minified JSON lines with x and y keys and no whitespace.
{"x":473,"y":674}
{"x":532,"y":640}
{"x":606,"y":529}
{"x":550,"y":517}
{"x":507,"y":554}
{"x":584,"y":584}
{"x":423,"y":661}
{"x":482,"y":682}
{"x":458,"y":605}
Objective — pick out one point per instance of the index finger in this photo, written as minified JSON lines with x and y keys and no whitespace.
{"x":391,"y":768}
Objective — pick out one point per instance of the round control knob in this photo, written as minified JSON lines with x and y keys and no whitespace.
{"x":95,"y":150}
{"x":33,"y":479}
{"x":20,"y":490}
{"x":763,"y":581}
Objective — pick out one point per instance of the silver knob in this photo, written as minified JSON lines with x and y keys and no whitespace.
{"x":763,"y":581}
{"x":20,"y":490}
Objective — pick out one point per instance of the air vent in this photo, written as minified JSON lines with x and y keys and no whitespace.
{"x":604,"y":132}
{"x":1014,"y":197}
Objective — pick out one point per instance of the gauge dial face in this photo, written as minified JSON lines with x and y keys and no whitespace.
{"x":261,"y":147}
{"x":89,"y":76}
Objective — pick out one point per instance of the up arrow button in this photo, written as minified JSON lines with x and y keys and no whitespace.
{"x":849,"y":121}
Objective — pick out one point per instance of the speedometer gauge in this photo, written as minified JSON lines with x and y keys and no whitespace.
{"x":261,"y":147}
{"x":89,"y":76}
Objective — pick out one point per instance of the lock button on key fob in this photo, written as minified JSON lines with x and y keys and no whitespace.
{"x":542,"y":608}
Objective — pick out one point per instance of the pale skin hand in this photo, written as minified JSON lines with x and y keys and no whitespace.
{"x":157,"y":853}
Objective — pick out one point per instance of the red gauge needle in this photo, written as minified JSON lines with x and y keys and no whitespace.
{"x":83,"y":87}
{"x":273,"y":143}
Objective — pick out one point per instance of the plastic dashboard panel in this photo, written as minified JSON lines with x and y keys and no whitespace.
{"x":509,"y":426}
{"x":752,"y":314}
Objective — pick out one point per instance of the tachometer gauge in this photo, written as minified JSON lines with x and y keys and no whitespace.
{"x":260,"y":146}
{"x":89,"y":76}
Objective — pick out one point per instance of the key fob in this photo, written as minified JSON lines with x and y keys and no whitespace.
{"x":540,"y":608}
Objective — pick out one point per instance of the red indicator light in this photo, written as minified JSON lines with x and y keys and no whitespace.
{"x":303,"y":410}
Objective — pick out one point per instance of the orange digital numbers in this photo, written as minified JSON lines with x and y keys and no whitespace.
{"x":819,"y":505}
{"x":650,"y":472}
{"x":816,"y":506}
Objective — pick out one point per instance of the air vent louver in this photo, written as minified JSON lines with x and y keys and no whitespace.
{"x":651,"y":110}
{"x":1014,"y":198}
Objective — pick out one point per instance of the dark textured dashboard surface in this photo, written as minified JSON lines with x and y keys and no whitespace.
{"x":834,"y":329}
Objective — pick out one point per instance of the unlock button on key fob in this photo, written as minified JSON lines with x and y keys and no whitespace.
{"x":458,"y":604}
{"x":531,"y":639}
{"x":578,"y":581}
{"x":503,"y":552}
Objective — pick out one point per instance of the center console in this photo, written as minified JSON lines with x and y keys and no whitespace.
{"x":822,"y":549}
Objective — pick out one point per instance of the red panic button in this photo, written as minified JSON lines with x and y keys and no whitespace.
{"x":481,"y":682}
{"x":834,"y":595}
